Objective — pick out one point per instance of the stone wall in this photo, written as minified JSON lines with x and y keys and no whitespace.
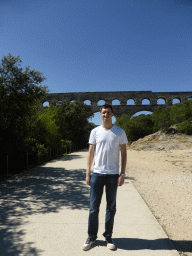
{"x":123,"y":97}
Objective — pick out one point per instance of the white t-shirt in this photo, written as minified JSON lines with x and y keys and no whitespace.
{"x":107,"y":148}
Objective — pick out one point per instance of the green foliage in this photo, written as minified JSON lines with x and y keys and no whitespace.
{"x":42,"y":150}
{"x":65,"y":143}
{"x":31,"y":145}
{"x":72,"y":120}
{"x":25,"y":126}
{"x":161,"y":119}
{"x":185,"y":127}
{"x":19,"y":90}
{"x":59,"y":126}
{"x":136,"y":127}
{"x":45,"y":129}
{"x":181,"y":112}
{"x":123,"y":121}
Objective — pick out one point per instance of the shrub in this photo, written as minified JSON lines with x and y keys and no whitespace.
{"x":185,"y":127}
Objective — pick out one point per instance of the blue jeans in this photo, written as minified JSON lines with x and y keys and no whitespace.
{"x":97,"y":182}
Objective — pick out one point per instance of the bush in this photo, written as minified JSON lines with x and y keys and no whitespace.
{"x":136,"y":127}
{"x":185,"y":127}
{"x":181,"y":112}
{"x":161,"y":119}
{"x":65,"y":143}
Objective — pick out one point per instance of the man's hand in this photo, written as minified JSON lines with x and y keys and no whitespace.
{"x":89,"y":162}
{"x":88,"y":176}
{"x":120,"y":180}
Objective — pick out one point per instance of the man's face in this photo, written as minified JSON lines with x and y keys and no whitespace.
{"x":106,"y":114}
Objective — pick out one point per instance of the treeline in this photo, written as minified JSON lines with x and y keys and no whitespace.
{"x":28,"y":130}
{"x":161,"y":119}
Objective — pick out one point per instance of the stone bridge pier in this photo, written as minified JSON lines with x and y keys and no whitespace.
{"x":123,"y":97}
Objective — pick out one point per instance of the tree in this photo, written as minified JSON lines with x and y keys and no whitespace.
{"x":72,"y":120}
{"x":43,"y":128}
{"x":136,"y":127}
{"x":181,"y":112}
{"x":161,"y":119}
{"x":20,"y":90}
{"x":185,"y":127}
{"x":123,"y":121}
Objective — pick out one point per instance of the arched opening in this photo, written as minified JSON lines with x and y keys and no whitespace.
{"x":130,"y":102}
{"x":72,"y":101}
{"x":161,"y":101}
{"x":145,"y":102}
{"x":142,"y":112}
{"x":100,"y":102}
{"x":59,"y":103}
{"x":97,"y":120}
{"x":116,"y":102}
{"x":87,"y":102}
{"x":176,"y":101}
{"x":46,"y":104}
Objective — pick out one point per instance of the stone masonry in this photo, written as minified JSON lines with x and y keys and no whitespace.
{"x":123,"y":97}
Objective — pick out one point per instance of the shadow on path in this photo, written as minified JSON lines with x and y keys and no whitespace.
{"x":135,"y":244}
{"x":45,"y":190}
{"x":40,"y":190}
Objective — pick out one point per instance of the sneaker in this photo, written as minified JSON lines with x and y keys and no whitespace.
{"x":88,"y":243}
{"x":110,"y":243}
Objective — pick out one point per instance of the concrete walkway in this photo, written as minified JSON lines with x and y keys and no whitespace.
{"x":45,"y":212}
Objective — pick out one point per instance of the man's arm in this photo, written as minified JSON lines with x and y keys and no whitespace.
{"x":123,"y":149}
{"x":89,"y":162}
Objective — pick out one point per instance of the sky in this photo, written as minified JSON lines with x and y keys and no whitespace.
{"x":101,"y":45}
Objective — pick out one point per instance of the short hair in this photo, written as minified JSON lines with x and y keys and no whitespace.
{"x":107,"y":105}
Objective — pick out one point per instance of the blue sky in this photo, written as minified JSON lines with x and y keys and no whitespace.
{"x":102,"y":45}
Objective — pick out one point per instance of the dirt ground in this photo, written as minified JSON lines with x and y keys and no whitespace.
{"x":160,"y":167}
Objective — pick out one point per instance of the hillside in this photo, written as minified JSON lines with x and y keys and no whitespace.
{"x":160,"y":141}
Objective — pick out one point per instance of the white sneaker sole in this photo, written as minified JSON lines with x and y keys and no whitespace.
{"x":111,"y":246}
{"x":86,"y":248}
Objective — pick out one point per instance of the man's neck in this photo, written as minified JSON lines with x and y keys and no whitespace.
{"x":107,"y":126}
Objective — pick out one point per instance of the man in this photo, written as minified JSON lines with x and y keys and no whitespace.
{"x":105,"y":141}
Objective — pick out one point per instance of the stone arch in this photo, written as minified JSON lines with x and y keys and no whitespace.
{"x":116,"y":102}
{"x":123,"y":96}
{"x":87,"y":102}
{"x":96,"y":118}
{"x":46,"y":104}
{"x":100,"y":102}
{"x":145,"y":102}
{"x":130,"y":102}
{"x":176,"y":100}
{"x":161,"y":101}
{"x":142,"y":112}
{"x":138,"y":108}
{"x":59,"y":103}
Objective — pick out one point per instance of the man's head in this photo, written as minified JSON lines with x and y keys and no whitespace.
{"x":106,"y":113}
{"x":106,"y":106}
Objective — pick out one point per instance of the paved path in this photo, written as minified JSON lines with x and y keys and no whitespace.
{"x":45,"y":212}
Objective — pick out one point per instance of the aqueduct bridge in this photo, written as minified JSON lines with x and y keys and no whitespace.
{"x":123,"y":97}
